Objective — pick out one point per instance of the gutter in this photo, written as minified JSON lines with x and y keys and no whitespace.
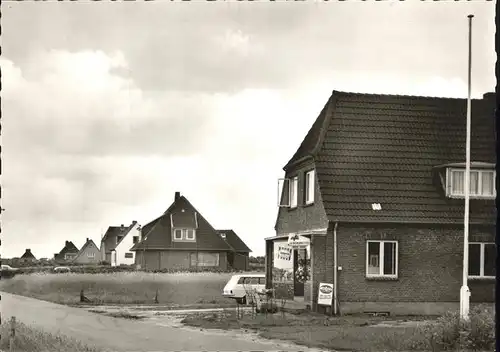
{"x":335,"y":268}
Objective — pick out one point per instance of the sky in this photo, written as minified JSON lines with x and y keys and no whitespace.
{"x":108,"y":109}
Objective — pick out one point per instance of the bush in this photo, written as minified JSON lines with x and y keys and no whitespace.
{"x":449,"y":332}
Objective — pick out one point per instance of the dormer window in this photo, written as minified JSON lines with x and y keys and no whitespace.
{"x":182,"y":235}
{"x":482,"y":183}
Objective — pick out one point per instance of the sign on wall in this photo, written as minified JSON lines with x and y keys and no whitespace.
{"x":284,"y":253}
{"x":325,"y":294}
{"x":298,"y":242}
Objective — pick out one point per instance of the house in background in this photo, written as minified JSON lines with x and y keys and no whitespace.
{"x":181,"y":238}
{"x":116,"y":244}
{"x":67,"y":254}
{"x":377,"y":189}
{"x":88,"y":254}
{"x":27,"y":257}
{"x":238,"y":259}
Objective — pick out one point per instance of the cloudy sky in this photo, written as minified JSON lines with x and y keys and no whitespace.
{"x":109,"y":108}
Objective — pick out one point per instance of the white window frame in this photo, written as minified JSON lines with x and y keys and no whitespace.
{"x":381,"y":259}
{"x":309,"y":188}
{"x":184,"y":236}
{"x":90,"y":255}
{"x":192,"y":238}
{"x":449,"y":182}
{"x":481,"y":261}
{"x":175,"y":235}
{"x":294,"y":190}
{"x":217,"y":255}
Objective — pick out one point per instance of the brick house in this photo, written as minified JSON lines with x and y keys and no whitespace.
{"x":376,"y":188}
{"x":88,"y":254}
{"x":181,"y":238}
{"x":67,"y":254}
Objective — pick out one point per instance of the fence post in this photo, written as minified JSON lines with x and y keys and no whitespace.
{"x":12,"y":334}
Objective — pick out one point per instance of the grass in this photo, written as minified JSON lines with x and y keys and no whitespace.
{"x":183,"y":289}
{"x":29,"y":339}
{"x":353,"y":333}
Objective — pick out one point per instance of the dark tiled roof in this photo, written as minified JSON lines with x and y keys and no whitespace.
{"x":109,"y":238}
{"x":384,"y":149}
{"x":234,"y":241}
{"x":69,"y":247}
{"x":311,"y":142}
{"x":158,"y":233}
{"x":184,"y":219}
{"x":28,"y":255}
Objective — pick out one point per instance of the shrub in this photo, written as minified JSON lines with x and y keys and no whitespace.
{"x":449,"y":332}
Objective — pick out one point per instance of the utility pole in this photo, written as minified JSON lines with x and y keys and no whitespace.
{"x":464,"y":290}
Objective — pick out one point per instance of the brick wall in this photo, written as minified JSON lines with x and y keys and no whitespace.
{"x":430,"y":265}
{"x":303,"y":217}
{"x":180,"y":260}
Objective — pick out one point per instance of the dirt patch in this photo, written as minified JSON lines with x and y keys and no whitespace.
{"x":353,"y":333}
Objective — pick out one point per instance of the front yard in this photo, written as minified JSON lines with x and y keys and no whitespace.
{"x":360,"y":332}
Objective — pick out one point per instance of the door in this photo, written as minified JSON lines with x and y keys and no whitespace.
{"x":298,"y":287}
{"x":113,"y":258}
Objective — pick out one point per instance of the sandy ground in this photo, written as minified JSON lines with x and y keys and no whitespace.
{"x":159,"y":332}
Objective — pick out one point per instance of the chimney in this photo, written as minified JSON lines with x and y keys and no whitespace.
{"x":28,"y":250}
{"x":67,"y":243}
{"x":87,"y":239}
{"x":490,"y":95}
{"x":177,"y":196}
{"x":134,"y":222}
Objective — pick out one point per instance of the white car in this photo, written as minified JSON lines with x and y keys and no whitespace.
{"x":62,"y":269}
{"x":239,"y":285}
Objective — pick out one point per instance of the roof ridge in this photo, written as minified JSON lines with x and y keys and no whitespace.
{"x":337,"y":92}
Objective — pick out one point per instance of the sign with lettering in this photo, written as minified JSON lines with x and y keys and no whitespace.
{"x":284,"y":253}
{"x":325,"y":294}
{"x":298,"y":242}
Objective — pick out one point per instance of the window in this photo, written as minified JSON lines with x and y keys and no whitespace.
{"x":135,"y":239}
{"x":309,"y":187}
{"x":177,"y":234}
{"x":184,"y":235}
{"x":91,"y":255}
{"x":190,"y":234}
{"x":129,"y":255}
{"x":482,"y":258}
{"x":118,"y":239}
{"x":208,"y":259}
{"x":382,"y":259}
{"x":482,"y":183}
{"x":294,"y":183}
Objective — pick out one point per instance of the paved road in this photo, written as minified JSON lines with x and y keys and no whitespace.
{"x":121,"y":335}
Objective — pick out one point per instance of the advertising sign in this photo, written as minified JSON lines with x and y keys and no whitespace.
{"x":325,"y":294}
{"x":298,"y":241}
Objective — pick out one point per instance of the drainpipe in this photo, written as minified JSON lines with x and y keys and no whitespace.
{"x":335,"y":268}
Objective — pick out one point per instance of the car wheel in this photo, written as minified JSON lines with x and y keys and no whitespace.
{"x":242,"y":300}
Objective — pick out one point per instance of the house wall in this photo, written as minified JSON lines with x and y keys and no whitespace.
{"x":83,"y":257}
{"x":304,"y":217}
{"x":241,"y":261}
{"x":429,"y":269}
{"x":125,"y":245}
{"x":170,"y":259}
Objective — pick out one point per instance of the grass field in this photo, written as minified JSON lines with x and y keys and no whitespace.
{"x":28,"y":339}
{"x":183,"y":289}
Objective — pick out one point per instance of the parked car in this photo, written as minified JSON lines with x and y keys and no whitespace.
{"x":239,"y":285}
{"x":62,"y":269}
{"x":8,"y":271}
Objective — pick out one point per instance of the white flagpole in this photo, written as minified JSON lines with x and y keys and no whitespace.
{"x":464,"y":290}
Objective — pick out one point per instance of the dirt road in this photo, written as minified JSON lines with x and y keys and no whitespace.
{"x":120,"y":335}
